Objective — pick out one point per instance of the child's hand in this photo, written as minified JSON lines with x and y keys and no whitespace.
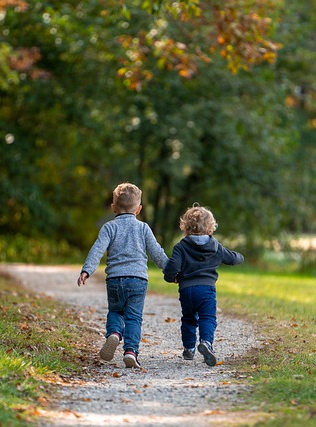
{"x":82,"y":279}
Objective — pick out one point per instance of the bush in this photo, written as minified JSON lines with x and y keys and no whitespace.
{"x":20,"y":248}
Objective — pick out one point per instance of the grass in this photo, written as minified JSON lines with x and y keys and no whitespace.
{"x":38,"y":340}
{"x":283,"y":371}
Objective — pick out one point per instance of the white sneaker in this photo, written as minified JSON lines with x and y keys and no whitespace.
{"x":130,"y":359}
{"x":108,"y":349}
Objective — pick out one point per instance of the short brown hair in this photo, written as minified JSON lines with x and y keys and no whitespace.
{"x":127,"y":197}
{"x":198,"y":220}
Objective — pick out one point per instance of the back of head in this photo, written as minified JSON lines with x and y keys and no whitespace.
{"x":198,"y":221}
{"x":126,"y":198}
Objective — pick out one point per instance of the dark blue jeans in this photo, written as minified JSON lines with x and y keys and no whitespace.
{"x":126,"y":297}
{"x":198,"y":305}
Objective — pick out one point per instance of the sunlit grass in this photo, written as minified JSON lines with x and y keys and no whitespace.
{"x":34,"y":333}
{"x":282,"y":308}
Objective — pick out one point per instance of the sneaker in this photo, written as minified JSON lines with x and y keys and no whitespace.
{"x":188,"y":353}
{"x":206,"y":349}
{"x":130,"y":359}
{"x":108,"y":349}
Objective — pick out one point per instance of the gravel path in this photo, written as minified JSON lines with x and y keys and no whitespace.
{"x":168,"y":391}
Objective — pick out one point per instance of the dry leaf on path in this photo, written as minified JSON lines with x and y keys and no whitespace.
{"x":214,"y":412}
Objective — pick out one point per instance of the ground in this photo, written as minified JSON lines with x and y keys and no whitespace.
{"x":167,"y":391}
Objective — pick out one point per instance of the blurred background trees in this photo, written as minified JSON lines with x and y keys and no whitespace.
{"x":210,"y":102}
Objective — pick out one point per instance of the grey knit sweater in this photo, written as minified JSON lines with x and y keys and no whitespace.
{"x":127,"y":242}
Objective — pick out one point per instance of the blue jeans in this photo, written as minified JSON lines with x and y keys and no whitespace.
{"x":126,"y":297}
{"x":198,"y":305}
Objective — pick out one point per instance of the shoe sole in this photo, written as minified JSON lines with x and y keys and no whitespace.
{"x":209,"y":358}
{"x":108,"y":349}
{"x":130,"y":361}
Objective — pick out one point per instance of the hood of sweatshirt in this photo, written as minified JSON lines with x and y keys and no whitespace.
{"x":200,"y":247}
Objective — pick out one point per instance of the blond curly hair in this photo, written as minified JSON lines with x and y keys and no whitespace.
{"x":198,"y":221}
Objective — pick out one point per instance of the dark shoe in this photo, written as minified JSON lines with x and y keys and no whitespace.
{"x":130,"y":359}
{"x":206,"y":349}
{"x":188,"y":353}
{"x":108,"y":349}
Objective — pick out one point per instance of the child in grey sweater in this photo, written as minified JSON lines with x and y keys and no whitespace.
{"x":127,"y":242}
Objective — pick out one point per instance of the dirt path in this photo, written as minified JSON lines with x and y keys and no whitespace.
{"x":168,"y":391}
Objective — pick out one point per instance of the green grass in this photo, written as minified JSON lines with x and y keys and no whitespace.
{"x":283,"y":371}
{"x":36,"y":343}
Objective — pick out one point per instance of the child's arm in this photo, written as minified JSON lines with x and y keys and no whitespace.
{"x":155,"y":251}
{"x":96,"y":252}
{"x":82,"y":278}
{"x":173,"y":266}
{"x":231,"y":257}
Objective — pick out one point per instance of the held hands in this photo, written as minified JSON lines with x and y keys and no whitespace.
{"x":82,"y":279}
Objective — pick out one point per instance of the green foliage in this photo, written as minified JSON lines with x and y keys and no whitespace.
{"x":38,"y":250}
{"x":71,"y":128}
{"x":7,"y":75}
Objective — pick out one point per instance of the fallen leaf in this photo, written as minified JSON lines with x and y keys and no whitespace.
{"x":42,"y":400}
{"x":220,"y":363}
{"x":31,"y":371}
{"x":69,"y":411}
{"x":34,"y":412}
{"x":170,"y":320}
{"x":214,"y":412}
{"x":116,"y":375}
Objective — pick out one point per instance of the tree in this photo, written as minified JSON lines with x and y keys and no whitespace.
{"x":239,"y":31}
{"x":147,"y":98}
